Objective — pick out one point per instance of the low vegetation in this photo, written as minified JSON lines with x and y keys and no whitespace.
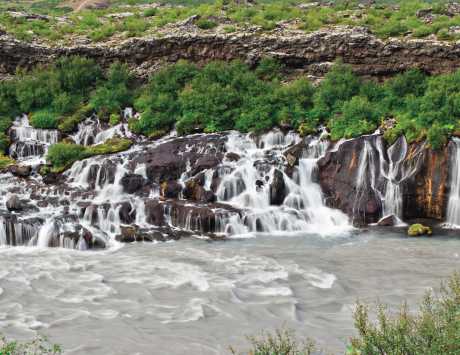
{"x":434,"y":329}
{"x":386,"y":18}
{"x":38,"y":346}
{"x":221,"y":96}
{"x":62,"y":155}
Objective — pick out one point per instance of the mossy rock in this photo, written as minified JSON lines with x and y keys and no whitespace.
{"x":418,"y":229}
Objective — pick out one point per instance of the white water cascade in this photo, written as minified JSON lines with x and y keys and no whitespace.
{"x":453,"y":205}
{"x":250,"y":186}
{"x":30,"y":144}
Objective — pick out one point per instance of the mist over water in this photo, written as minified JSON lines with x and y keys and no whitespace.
{"x":198,"y":297}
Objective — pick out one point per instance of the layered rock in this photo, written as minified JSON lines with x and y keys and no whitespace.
{"x":312,"y":53}
{"x":369,"y":180}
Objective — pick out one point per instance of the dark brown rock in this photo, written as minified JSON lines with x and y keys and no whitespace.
{"x":132,"y":183}
{"x":278,"y":189}
{"x":20,"y":170}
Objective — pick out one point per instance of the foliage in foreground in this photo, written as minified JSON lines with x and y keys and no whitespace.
{"x":433,"y":330}
{"x":38,"y":346}
{"x":282,"y":342}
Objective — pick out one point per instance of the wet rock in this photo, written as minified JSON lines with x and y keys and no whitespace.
{"x":195,"y":191}
{"x":338,"y":173}
{"x":191,"y":154}
{"x":278,"y":189}
{"x":14,"y":203}
{"x":128,"y":234}
{"x":170,"y":189}
{"x":132,"y":183}
{"x":387,"y":221}
{"x":232,"y":157}
{"x":20,"y":170}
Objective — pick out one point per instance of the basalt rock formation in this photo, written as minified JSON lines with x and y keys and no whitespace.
{"x":368,"y":179}
{"x":311,"y":53}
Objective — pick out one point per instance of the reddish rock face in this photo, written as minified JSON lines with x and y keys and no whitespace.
{"x":426,"y":195}
{"x":354,"y":178}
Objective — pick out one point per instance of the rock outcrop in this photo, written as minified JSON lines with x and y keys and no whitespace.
{"x":368,"y":180}
{"x":312,"y":53}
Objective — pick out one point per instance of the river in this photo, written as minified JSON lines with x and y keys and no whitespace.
{"x":199,"y":297}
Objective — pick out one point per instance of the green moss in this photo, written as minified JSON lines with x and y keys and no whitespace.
{"x":61,"y":156}
{"x":112,"y":145}
{"x":418,"y":229}
{"x":5,"y":161}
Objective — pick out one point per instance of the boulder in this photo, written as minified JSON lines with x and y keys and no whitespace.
{"x":278,"y":189}
{"x":132,"y":183}
{"x":387,"y":221}
{"x":20,"y":170}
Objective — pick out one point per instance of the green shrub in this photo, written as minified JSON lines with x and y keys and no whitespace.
{"x":150,"y":12}
{"x":338,"y":86}
{"x":44,"y":119}
{"x":39,"y":346}
{"x":63,"y":155}
{"x":115,"y":119}
{"x":116,"y":92}
{"x":434,"y":330}
{"x":358,"y":117}
{"x":268,"y":69}
{"x":206,"y":24}
{"x":112,"y":145}
{"x":282,"y":342}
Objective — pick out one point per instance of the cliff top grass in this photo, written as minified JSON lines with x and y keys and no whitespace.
{"x":59,"y":22}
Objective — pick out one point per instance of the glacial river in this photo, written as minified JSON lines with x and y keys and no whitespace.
{"x":200,"y":297}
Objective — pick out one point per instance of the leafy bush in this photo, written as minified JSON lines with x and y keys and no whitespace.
{"x":116,"y":92}
{"x":206,"y":24}
{"x":40,"y":345}
{"x":44,"y":119}
{"x":434,"y":330}
{"x":282,"y":342}
{"x":63,"y":155}
{"x":358,"y":117}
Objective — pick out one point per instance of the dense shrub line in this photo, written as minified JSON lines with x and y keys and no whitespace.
{"x":222,"y":96}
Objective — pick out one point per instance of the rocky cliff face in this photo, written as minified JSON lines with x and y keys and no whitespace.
{"x":368,"y":180}
{"x":311,"y":53}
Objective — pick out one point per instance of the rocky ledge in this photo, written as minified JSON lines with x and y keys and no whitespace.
{"x":310,"y":53}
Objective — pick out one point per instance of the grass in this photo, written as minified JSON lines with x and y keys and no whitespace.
{"x":61,"y":156}
{"x":384,"y":18}
{"x":5,"y":162}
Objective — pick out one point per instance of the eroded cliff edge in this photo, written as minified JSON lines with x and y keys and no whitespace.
{"x":310,"y":53}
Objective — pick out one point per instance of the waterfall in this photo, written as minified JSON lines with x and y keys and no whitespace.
{"x":30,"y":145}
{"x":453,"y":205}
{"x":257,"y":179}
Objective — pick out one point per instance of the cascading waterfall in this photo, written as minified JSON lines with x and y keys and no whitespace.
{"x":248,"y":186}
{"x":29,"y":144}
{"x":453,"y":205}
